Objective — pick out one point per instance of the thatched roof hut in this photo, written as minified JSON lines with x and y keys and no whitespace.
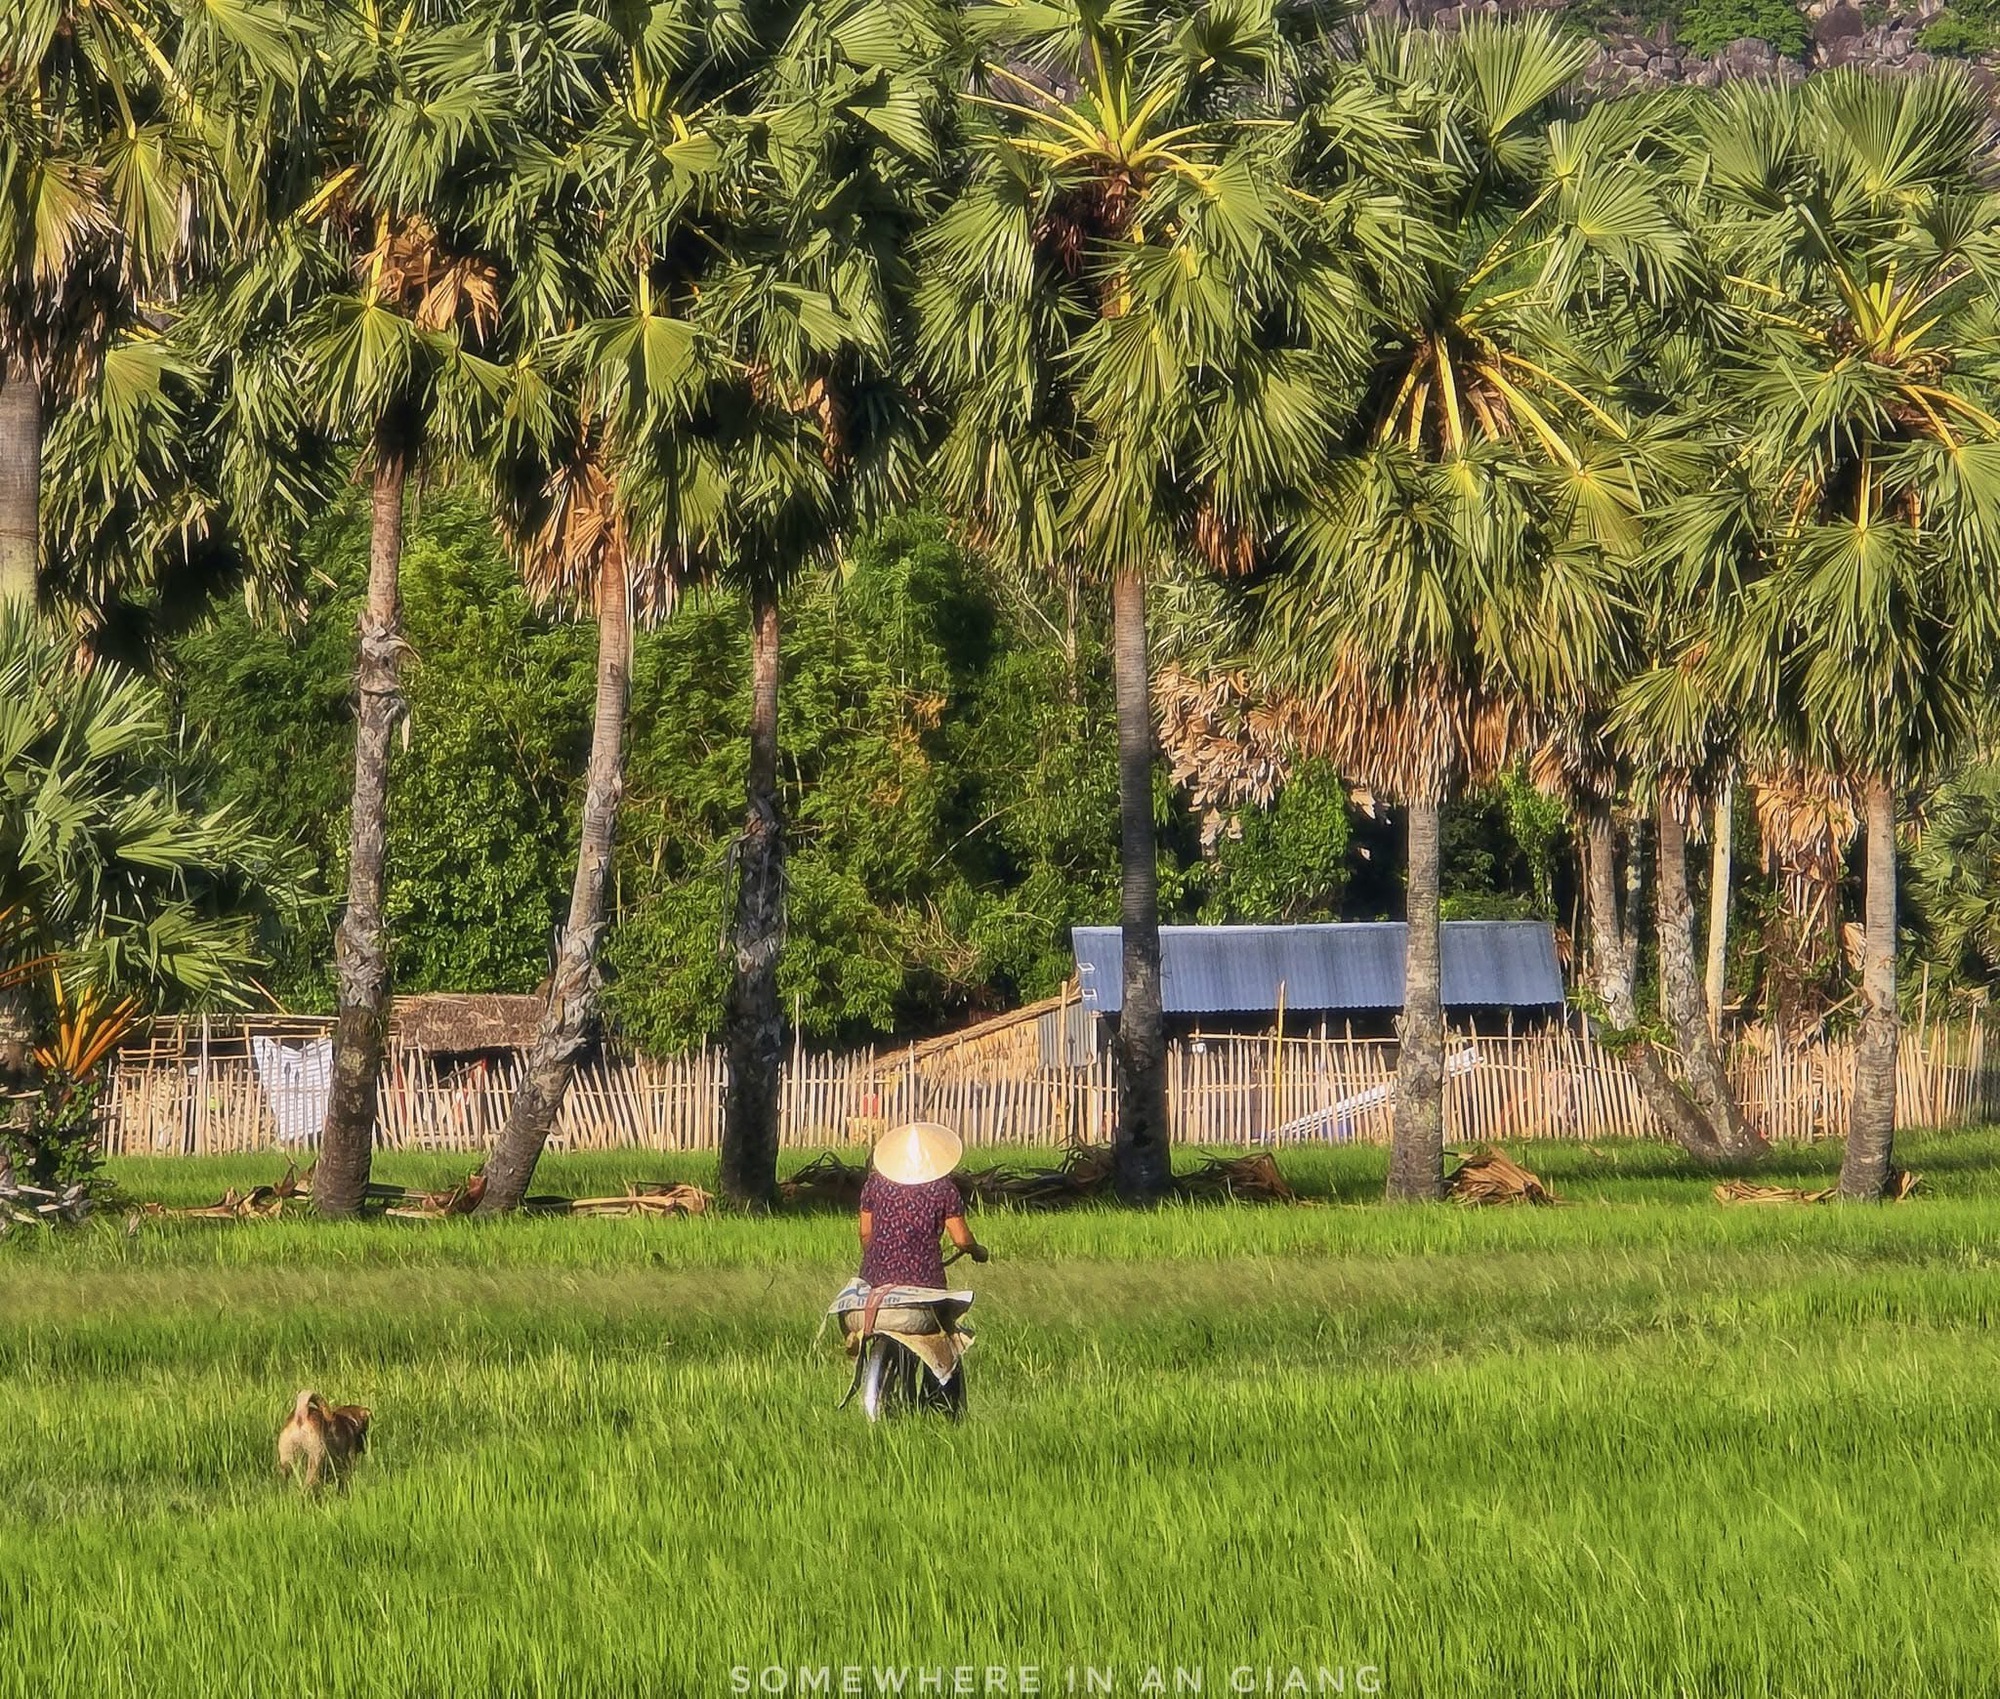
{"x":455,"y":1023}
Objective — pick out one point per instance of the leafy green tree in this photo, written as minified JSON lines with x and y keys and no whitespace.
{"x":951,"y":780}
{"x":1958,"y":32}
{"x":499,"y":719}
{"x":952,"y":806}
{"x":1287,"y":862}
{"x":1955,"y":874}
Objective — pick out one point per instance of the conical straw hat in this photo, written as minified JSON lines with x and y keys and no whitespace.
{"x":917,"y":1152}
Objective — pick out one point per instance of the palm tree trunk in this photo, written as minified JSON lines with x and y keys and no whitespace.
{"x":361,"y":945}
{"x":1715,"y":975}
{"x":1142,"y":1160}
{"x":571,"y":1008}
{"x":20,"y":485}
{"x":755,"y":1022}
{"x":1681,"y":1001}
{"x":20,"y":555}
{"x":1416,"y":1150}
{"x":1871,"y":1125}
{"x":1614,"y":968}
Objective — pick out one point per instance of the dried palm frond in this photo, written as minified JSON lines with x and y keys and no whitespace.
{"x":409,"y":267}
{"x":1902,"y":1182}
{"x":1490,"y":1176}
{"x":647,"y":1198}
{"x":1225,"y":743}
{"x":1575,"y":763}
{"x":1807,"y":819}
{"x":259,"y":1203}
{"x":826,"y":1180}
{"x":1240,"y":1179}
{"x":461,"y":1199}
{"x":1084,"y":1173}
{"x":1227,"y":545}
{"x":1406,"y":737}
{"x":1742,"y":1191}
{"x":578,"y":548}
{"x":42,"y":1206}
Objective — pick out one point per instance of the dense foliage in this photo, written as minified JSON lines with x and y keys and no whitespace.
{"x":1708,"y":26}
{"x":948,"y":767}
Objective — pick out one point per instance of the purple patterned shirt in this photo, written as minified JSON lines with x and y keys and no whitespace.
{"x":908,"y":1220}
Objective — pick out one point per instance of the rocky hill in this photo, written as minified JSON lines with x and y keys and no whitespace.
{"x":1705,"y":42}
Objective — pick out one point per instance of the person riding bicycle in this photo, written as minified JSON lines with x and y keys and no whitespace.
{"x":907,"y":1332}
{"x":908,"y":1203}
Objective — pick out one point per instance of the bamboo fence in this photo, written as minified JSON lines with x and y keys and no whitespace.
{"x":194,"y":1088}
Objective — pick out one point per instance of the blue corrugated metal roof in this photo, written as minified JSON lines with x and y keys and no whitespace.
{"x":1337,"y":965}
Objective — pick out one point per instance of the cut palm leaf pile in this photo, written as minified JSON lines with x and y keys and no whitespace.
{"x":1243,"y":1179}
{"x":41,"y":1206}
{"x":266,"y":1203}
{"x":646,"y":1197}
{"x":1902,"y":1182}
{"x":1741,"y":1191}
{"x":1490,"y":1176}
{"x":1082,"y":1174}
{"x":826,"y":1180}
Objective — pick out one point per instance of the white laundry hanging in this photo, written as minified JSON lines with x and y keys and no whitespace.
{"x":297,"y":1078}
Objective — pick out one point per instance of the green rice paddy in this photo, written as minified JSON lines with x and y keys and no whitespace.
{"x":1642,"y":1444}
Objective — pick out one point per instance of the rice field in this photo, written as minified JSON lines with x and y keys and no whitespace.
{"x":1639,"y":1445}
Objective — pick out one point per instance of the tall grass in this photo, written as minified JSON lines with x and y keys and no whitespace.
{"x":1641,"y":1445}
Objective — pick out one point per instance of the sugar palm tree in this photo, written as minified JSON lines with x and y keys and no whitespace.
{"x":1671,"y":726}
{"x":130,"y":156}
{"x":381,"y":282}
{"x":573,"y":548}
{"x":1577,"y":761}
{"x":811,"y":429}
{"x":1859,"y":243}
{"x":1682,"y":745}
{"x":1137,"y":324}
{"x":110,"y":863}
{"x":1454,"y":570}
{"x":751,"y":183}
{"x":631,"y":112}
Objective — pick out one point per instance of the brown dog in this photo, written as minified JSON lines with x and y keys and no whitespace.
{"x":321,"y":1439}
